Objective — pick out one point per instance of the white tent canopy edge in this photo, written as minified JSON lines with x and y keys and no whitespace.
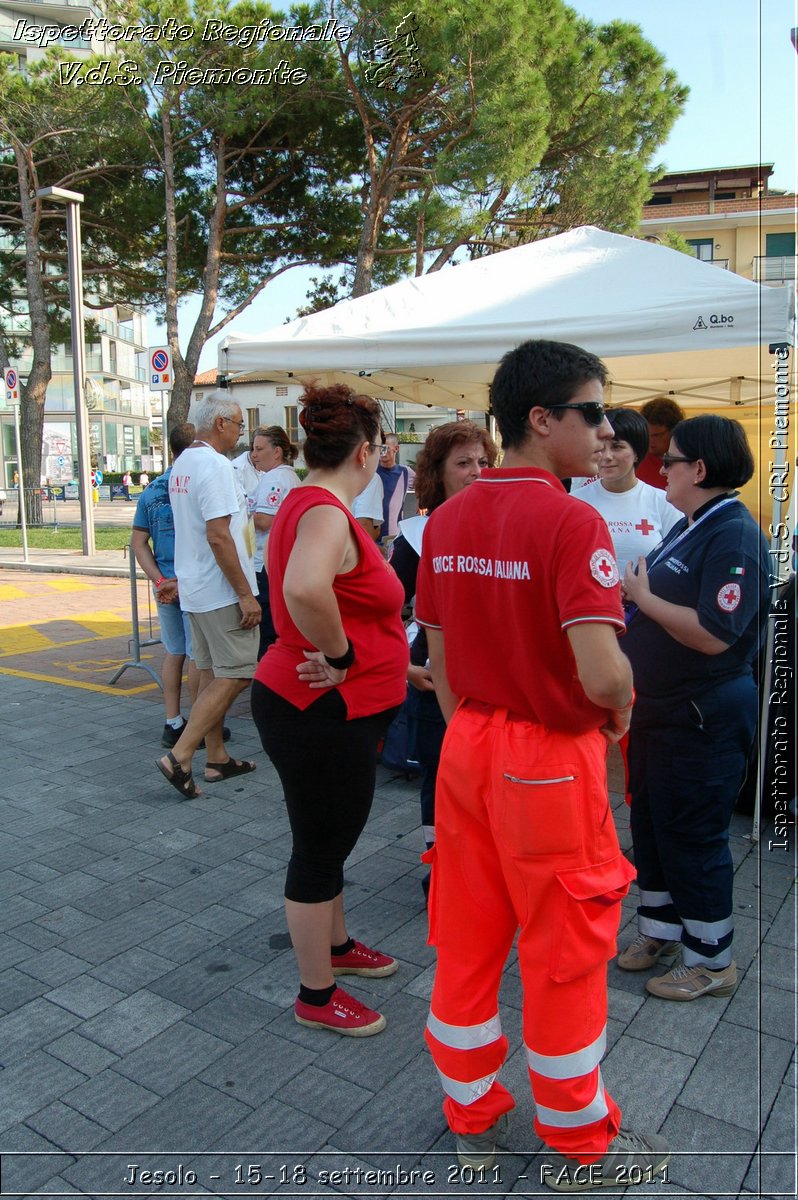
{"x":662,"y":321}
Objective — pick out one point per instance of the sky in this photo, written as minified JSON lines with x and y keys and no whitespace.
{"x":738,"y":61}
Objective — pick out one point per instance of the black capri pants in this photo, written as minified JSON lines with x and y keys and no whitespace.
{"x":327,"y":766}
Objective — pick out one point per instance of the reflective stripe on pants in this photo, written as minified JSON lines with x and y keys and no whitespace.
{"x":525,"y":837}
{"x":686,"y":766}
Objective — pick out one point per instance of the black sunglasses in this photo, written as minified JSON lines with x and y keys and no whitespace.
{"x":591,"y":410}
{"x":669,"y":459}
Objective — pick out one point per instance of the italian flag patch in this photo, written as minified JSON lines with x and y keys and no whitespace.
{"x":737,"y":571}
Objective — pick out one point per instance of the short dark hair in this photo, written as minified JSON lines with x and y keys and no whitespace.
{"x":629,"y":426}
{"x":336,"y":420}
{"x":662,"y":411}
{"x":180,"y":438}
{"x":440,"y":441}
{"x":538,"y":373}
{"x":721,"y":445}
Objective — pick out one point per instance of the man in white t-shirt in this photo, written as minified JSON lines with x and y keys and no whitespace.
{"x":216,"y":577}
{"x":367,"y":507}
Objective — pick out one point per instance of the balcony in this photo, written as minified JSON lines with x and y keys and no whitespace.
{"x":112,"y":329}
{"x":723,"y":263}
{"x":775,"y":268}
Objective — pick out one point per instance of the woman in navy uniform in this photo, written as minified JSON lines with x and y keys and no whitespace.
{"x":700,"y":603}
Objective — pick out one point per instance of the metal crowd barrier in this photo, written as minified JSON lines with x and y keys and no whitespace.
{"x":136,"y":641}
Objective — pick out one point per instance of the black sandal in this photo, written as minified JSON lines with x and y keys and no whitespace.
{"x":182,"y":781}
{"x":228,"y":770}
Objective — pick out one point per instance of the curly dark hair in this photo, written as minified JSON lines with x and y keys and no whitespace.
{"x":335,"y":420}
{"x":662,"y":411}
{"x":440,"y":441}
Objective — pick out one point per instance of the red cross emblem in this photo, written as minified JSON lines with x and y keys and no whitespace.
{"x":729,"y":597}
{"x":604,"y":568}
{"x":645,"y":528}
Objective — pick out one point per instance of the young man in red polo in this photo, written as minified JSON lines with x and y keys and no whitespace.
{"x":519,"y":591}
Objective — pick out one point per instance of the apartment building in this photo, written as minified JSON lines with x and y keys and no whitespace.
{"x":731,"y":217}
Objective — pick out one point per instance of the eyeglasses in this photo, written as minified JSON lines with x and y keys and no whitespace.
{"x":241,"y":424}
{"x":385,"y":449}
{"x":669,"y":459}
{"x":591,"y":410}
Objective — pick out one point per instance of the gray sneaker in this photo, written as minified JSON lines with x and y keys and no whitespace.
{"x":479,"y":1149}
{"x":631,"y":1159}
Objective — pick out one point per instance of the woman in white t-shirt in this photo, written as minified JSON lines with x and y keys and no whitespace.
{"x":638,"y":516}
{"x":277,"y":480}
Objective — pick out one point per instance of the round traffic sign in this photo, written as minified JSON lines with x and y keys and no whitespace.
{"x":11,"y":378}
{"x":160,"y":360}
{"x":60,"y":460}
{"x":98,"y":478}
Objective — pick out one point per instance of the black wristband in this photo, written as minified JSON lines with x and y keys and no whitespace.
{"x":345,"y":661}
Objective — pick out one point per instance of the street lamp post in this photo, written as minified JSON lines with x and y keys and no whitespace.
{"x":73,"y":201}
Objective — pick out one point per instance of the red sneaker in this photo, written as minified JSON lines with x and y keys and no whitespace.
{"x":362,"y":961}
{"x":342,"y":1014}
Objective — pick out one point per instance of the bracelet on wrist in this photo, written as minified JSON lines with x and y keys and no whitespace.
{"x":344,"y":661}
{"x":161,"y":579}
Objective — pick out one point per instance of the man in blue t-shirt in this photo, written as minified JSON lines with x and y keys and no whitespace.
{"x":394,"y":489}
{"x":153,"y":522}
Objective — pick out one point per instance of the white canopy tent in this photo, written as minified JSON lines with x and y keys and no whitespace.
{"x":663,"y":322}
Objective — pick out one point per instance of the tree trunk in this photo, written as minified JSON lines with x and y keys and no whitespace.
{"x":31,"y":430}
{"x":32,"y":395}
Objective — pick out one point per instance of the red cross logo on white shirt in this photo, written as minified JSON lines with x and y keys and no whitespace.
{"x":645,"y":528}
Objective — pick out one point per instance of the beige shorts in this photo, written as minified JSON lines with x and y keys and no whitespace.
{"x":219,"y":644}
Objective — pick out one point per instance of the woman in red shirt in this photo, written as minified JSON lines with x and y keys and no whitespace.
{"x":326,"y":691}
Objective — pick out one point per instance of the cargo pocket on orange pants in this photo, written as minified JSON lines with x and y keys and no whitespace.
{"x":588,"y":915}
{"x":428,"y":857}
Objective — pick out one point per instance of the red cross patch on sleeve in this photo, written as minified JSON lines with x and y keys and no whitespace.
{"x":729,"y":597}
{"x":604,"y":568}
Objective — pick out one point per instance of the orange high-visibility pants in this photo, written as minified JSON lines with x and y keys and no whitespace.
{"x":524,"y":837}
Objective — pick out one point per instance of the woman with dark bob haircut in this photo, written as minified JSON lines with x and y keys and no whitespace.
{"x":326,"y":691}
{"x":700,"y":610}
{"x":638,"y":515}
{"x":454,"y":455}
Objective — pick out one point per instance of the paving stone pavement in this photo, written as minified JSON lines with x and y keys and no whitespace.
{"x":146,"y":984}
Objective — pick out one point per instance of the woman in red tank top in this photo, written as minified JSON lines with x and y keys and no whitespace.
{"x":326,"y":691}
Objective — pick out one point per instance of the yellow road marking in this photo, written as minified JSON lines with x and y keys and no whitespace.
{"x":9,"y":592}
{"x":26,"y":639}
{"x":68,"y":585}
{"x":23,"y":639}
{"x":88,"y":687}
{"x":99,"y":622}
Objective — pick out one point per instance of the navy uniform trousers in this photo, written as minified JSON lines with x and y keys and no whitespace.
{"x":687,"y":761}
